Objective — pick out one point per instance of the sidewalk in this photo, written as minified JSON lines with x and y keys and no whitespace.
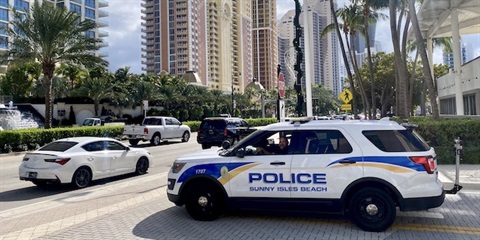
{"x":139,"y":209}
{"x":469,"y":176}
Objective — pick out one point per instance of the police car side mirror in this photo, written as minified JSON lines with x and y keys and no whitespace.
{"x":241,"y":152}
{"x":226,"y":144}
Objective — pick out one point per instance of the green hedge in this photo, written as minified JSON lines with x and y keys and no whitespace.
{"x":440,"y":134}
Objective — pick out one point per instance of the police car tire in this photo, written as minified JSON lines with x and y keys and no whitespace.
{"x":212,"y":206}
{"x":381,"y":203}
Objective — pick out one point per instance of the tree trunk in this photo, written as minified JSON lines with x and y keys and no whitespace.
{"x":48,"y":69}
{"x":351,"y":50}
{"x":423,"y":54}
{"x":399,"y":64}
{"x":370,"y":63}
{"x":345,"y":58}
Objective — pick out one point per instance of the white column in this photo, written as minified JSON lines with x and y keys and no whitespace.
{"x":308,"y":62}
{"x":456,"y":62}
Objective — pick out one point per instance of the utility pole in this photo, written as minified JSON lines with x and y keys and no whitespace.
{"x":298,"y":69}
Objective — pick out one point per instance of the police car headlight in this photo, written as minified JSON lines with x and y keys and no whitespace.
{"x":177,"y":167}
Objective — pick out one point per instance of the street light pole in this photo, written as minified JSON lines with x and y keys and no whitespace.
{"x":233,"y":103}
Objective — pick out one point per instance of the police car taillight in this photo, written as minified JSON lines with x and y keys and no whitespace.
{"x":225,"y":132}
{"x":145,"y":130}
{"x":427,"y":161}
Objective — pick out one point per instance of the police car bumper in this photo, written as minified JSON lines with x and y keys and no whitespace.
{"x":424,"y":203}
{"x":174,"y":198}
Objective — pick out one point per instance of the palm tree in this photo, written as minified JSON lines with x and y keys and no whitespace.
{"x":369,"y":15}
{"x":443,"y":42}
{"x":336,"y":27}
{"x":52,"y":35}
{"x":96,"y":89}
{"x":352,"y":22}
{"x":423,"y":53}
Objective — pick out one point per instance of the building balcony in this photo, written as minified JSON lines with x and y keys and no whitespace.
{"x":102,"y":34}
{"x":102,"y":24}
{"x":102,"y":13}
{"x":102,"y":54}
{"x":103,"y":44}
{"x":147,"y":3}
{"x":102,"y":3}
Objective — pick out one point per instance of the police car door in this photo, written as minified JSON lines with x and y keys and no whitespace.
{"x":324,"y":163}
{"x":261,"y":175}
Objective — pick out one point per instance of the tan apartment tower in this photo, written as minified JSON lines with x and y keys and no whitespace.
{"x":174,"y":37}
{"x":264,"y":34}
{"x":229,"y":32}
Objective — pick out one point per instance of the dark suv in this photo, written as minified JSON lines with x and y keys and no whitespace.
{"x":214,"y":130}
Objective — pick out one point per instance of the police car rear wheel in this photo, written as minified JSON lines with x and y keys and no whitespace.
{"x":372,"y":210}
{"x":203,"y":202}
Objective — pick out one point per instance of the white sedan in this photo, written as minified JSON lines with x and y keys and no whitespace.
{"x":79,"y":160}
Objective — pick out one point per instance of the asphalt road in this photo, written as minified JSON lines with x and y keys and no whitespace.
{"x":15,"y":193}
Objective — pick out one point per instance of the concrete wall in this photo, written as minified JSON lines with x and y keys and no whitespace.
{"x":83,"y":111}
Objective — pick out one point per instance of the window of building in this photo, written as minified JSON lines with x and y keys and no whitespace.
{"x":3,"y":42}
{"x":90,"y":3}
{"x":22,"y":5}
{"x":89,"y":13}
{"x":90,"y":34}
{"x":4,"y":14}
{"x":2,"y":28}
{"x":76,"y":8}
{"x":4,"y":3}
{"x":470,"y":108}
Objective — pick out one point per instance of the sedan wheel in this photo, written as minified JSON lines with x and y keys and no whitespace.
{"x":185,"y":137}
{"x":142,"y":166}
{"x":81,"y":178}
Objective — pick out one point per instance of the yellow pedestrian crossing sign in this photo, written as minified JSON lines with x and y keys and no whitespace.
{"x":346,"y":96}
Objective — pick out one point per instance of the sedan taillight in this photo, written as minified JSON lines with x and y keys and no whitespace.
{"x":225,"y":132}
{"x":60,"y":161}
{"x":427,"y":161}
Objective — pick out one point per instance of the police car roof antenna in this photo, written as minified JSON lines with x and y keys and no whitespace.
{"x":458,"y":152}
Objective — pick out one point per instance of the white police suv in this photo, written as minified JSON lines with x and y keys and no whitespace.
{"x":365,"y":169}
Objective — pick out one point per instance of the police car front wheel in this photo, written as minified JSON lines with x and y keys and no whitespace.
{"x":372,"y":210}
{"x":203,"y":202}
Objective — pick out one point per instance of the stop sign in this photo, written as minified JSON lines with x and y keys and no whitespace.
{"x":281,"y":86}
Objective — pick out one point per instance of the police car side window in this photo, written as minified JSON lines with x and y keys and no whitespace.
{"x":322,"y":142}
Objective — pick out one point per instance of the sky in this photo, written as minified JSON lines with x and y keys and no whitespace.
{"x":124,"y":30}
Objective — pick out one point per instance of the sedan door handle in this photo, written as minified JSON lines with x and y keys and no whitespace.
{"x":277,"y":163}
{"x":347,"y":161}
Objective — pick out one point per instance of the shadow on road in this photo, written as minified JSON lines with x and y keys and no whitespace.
{"x":34,"y":192}
{"x":148,"y":145}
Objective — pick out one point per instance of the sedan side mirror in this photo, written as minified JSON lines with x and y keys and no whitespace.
{"x":241,"y":152}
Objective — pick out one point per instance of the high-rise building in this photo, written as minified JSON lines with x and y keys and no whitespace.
{"x":286,"y":50}
{"x":87,"y":9}
{"x":265,"y":49}
{"x":174,"y":37}
{"x":210,"y":38}
{"x":466,"y":55}
{"x":229,"y":32}
{"x":325,"y":52}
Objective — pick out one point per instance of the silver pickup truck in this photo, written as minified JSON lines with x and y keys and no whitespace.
{"x":156,"y":130}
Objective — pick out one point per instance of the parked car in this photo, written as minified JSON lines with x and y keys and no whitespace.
{"x":80,"y":160}
{"x":214,"y":130}
{"x":156,"y":130}
{"x":99,"y":122}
